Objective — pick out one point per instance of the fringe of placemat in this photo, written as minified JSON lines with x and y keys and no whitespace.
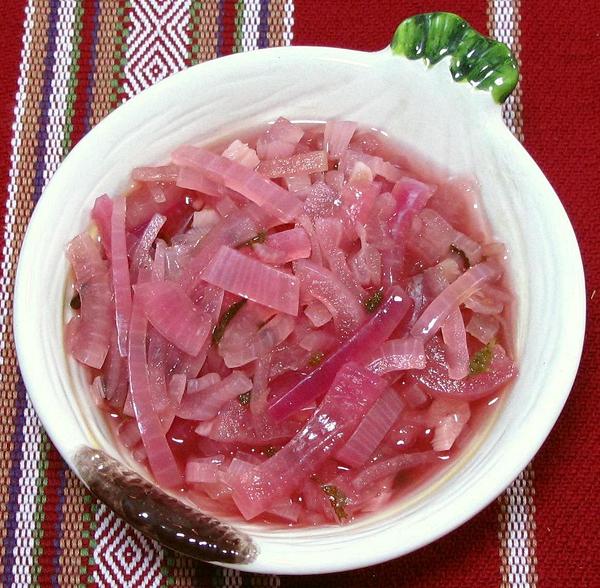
{"x":79,"y":61}
{"x":517,"y":509}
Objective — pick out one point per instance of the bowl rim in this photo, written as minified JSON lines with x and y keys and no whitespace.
{"x":487,"y":490}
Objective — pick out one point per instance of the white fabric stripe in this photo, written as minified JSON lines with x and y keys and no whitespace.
{"x":504,"y":27}
{"x":124,"y":557}
{"x":30,"y":461}
{"x":157,"y":43}
{"x":288,"y":19}
{"x":250,"y":25}
{"x":517,"y":509}
{"x":59,"y":89}
{"x":105,"y":531}
{"x":517,"y":533}
{"x":11,"y":202}
{"x":156,"y":47}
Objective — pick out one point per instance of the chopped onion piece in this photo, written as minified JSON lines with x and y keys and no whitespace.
{"x":205,"y":404}
{"x":378,"y":166}
{"x":192,"y":179}
{"x":297,"y":183}
{"x":88,"y":336}
{"x":483,"y":327}
{"x":437,"y":382}
{"x":236,"y":273}
{"x":296,"y":165}
{"x":448,"y":416}
{"x":203,"y":469}
{"x":240,"y":152}
{"x":360,"y":173}
{"x":411,"y":197}
{"x":337,"y":137}
{"x":279,"y":140}
{"x":371,"y":430}
{"x":197,"y":384}
{"x":399,"y":354}
{"x":283,"y":247}
{"x":317,"y":314}
{"x":452,"y":297}
{"x":455,"y":338}
{"x":235,"y":176}
{"x":174,"y":315}
{"x":142,"y":251}
{"x":260,"y":385}
{"x":328,"y":289}
{"x":205,"y":219}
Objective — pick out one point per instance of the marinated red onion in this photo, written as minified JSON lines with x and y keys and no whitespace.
{"x":296,"y":327}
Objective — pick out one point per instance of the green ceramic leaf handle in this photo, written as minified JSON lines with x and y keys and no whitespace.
{"x":481,"y":61}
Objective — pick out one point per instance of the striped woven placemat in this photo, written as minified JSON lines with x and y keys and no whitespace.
{"x":79,"y":60}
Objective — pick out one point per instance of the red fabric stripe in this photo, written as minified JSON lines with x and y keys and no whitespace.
{"x":562,"y":131}
{"x":82,"y":90}
{"x":48,"y":541}
{"x":228,"y":15}
{"x":469,"y":556}
{"x":369,"y":26}
{"x":11,"y":33}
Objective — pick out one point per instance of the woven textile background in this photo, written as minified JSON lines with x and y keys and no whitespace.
{"x":65,"y":64}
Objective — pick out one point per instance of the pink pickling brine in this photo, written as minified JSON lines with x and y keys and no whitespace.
{"x":296,"y":326}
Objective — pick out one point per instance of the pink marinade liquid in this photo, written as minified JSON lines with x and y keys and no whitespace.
{"x":185,"y":442}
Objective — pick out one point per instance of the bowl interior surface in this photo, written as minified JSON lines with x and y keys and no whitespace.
{"x":449,"y":123}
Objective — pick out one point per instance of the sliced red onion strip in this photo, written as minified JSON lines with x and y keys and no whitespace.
{"x":483,"y":327}
{"x":455,"y":338}
{"x":160,"y":456}
{"x":239,"y":274}
{"x":328,"y":289}
{"x":101,"y":215}
{"x":390,"y":467}
{"x":349,"y":398}
{"x":246,"y":182}
{"x":399,"y":354}
{"x":120,"y":273}
{"x":205,"y":404}
{"x":284,"y":247}
{"x":174,"y":316}
{"x":337,"y":137}
{"x":162,"y":173}
{"x":368,"y":338}
{"x":452,"y":297}
{"x":371,"y":430}
{"x":142,"y":251}
{"x":299,"y":164}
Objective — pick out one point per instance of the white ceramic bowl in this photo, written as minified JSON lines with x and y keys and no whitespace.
{"x":452,"y":123}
